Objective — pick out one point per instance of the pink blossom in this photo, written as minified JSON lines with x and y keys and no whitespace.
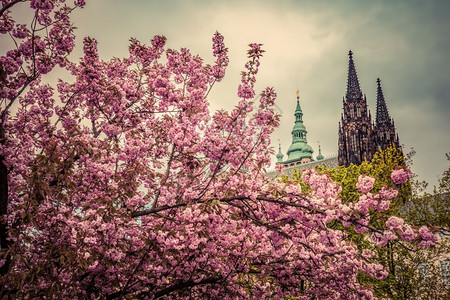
{"x":400,"y":175}
{"x":427,"y":235}
{"x":122,"y":183}
{"x":388,"y":194}
{"x":394,"y":222}
{"x":365,"y":183}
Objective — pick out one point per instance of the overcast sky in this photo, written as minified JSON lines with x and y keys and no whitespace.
{"x":405,"y":43}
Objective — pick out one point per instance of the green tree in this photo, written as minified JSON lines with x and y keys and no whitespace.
{"x":431,"y":208}
{"x":406,"y":262}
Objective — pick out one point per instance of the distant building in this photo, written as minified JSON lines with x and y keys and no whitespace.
{"x":384,"y":125}
{"x":300,"y":153}
{"x":359,"y":138}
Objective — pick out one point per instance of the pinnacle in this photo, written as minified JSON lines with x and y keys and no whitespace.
{"x":382,"y":111}
{"x":353,"y":88}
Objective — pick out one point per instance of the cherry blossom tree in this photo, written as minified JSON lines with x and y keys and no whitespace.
{"x":122,"y":183}
{"x":36,"y":50}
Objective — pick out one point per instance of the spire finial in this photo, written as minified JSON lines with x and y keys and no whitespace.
{"x":298,"y":110}
{"x":350,"y":54}
{"x":320,"y":156}
{"x":378,"y":82}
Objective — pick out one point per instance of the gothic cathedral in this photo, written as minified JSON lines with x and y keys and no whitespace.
{"x":359,"y":138}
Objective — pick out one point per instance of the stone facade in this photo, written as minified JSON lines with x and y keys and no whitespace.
{"x":359,"y":138}
{"x":329,"y":162}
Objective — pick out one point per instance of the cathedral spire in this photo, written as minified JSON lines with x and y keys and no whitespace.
{"x":353,"y":88}
{"x":382,"y":111}
{"x":384,"y":125}
{"x":355,"y":130}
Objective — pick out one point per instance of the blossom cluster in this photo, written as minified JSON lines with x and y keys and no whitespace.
{"x":400,"y":175}
{"x":39,"y":48}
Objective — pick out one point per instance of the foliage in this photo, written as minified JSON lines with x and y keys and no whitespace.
{"x":122,"y":184}
{"x":401,"y":260}
{"x":380,"y":167}
{"x":431,"y":210}
{"x":426,"y":208}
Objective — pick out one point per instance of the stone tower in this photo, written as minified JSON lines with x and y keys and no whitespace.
{"x":384,"y":129}
{"x":356,"y":138}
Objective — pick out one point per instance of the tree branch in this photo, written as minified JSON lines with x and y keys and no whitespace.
{"x":9,"y":5}
{"x":186,"y":284}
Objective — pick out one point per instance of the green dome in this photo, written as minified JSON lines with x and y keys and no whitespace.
{"x":308,"y":149}
{"x":299,"y":127}
{"x":279,"y":154}
{"x":299,"y":150}
{"x":295,"y":147}
{"x":320,"y":156}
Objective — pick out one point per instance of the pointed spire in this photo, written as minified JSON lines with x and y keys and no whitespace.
{"x":353,"y":88}
{"x":298,"y":110}
{"x":279,"y":154}
{"x":320,"y":156}
{"x":382,"y":111}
